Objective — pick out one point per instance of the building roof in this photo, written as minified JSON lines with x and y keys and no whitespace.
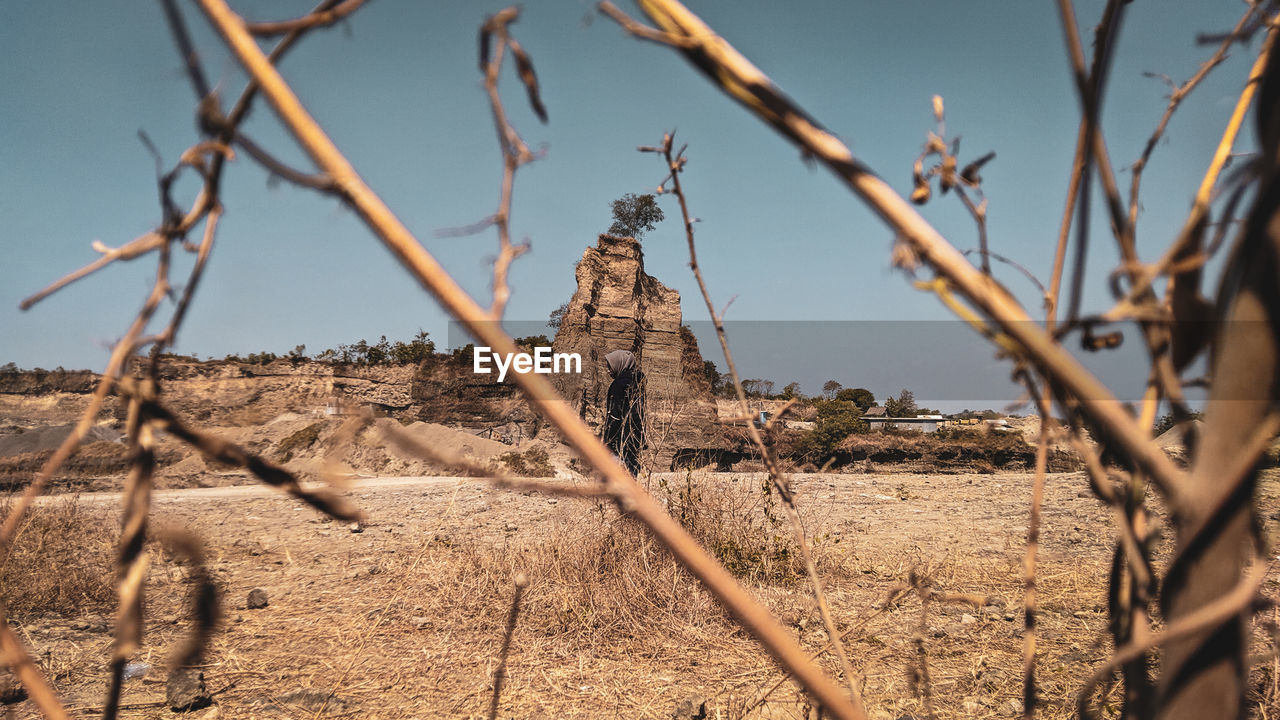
{"x":874,"y":411}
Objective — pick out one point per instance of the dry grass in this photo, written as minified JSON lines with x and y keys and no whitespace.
{"x":407,"y":622}
{"x":94,"y":464}
{"x":534,"y":462}
{"x":61,"y":561}
{"x":299,"y":440}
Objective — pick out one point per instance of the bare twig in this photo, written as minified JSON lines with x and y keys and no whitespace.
{"x":130,"y":250}
{"x":1227,"y":606}
{"x":207,"y":158}
{"x":313,"y":19}
{"x":13,"y":654}
{"x":1089,"y":85}
{"x":950,"y":177}
{"x":755,"y":618}
{"x":733,"y":73}
{"x":514,"y":151}
{"x":1064,"y":233}
{"x":132,"y":562}
{"x":521,"y":582}
{"x":1030,"y":611}
{"x":675,"y":165}
{"x":1179,"y":93}
{"x":1204,"y":195}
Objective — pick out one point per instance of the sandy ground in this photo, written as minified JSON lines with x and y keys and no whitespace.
{"x":352,"y":612}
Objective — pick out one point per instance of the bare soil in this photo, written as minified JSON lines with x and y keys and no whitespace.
{"x":406,"y":618}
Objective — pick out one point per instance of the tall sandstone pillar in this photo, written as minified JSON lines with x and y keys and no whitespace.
{"x":617,"y":306}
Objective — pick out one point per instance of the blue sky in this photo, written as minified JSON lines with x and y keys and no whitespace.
{"x":398,"y":89}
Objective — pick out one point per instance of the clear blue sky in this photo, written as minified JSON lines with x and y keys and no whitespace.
{"x":398,"y":89}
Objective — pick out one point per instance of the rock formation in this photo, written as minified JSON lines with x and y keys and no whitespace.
{"x":617,"y":306}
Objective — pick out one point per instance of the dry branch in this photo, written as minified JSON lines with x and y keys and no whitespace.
{"x":14,"y":654}
{"x":734,"y":74}
{"x":755,"y":618}
{"x":314,"y":19}
{"x":1204,"y":194}
{"x":174,"y":226}
{"x":514,"y":151}
{"x":675,"y":165}
{"x":1204,"y":671}
{"x":221,"y":450}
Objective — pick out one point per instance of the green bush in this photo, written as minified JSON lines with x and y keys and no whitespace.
{"x":836,"y":420}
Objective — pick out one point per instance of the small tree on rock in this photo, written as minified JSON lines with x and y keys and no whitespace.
{"x":634,"y":215}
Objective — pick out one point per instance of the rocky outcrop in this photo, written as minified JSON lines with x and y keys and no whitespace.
{"x":617,"y":306}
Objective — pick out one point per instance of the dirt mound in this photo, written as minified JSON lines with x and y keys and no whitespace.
{"x":454,"y":442}
{"x":307,"y":445}
{"x":96,"y":465}
{"x":49,"y":438}
{"x":1175,"y":438}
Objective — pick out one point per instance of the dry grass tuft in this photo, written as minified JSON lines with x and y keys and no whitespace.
{"x":61,"y":560}
{"x":602,"y":579}
{"x":534,"y":462}
{"x":740,"y":524}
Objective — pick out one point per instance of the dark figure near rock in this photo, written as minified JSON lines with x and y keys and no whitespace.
{"x":624,"y":410}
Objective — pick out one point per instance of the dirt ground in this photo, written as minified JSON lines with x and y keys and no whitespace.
{"x":406,"y":618}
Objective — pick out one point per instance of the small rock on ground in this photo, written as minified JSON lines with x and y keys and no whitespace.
{"x":257,"y":599}
{"x":185,"y":690}
{"x":693,"y":707}
{"x":11,"y":691}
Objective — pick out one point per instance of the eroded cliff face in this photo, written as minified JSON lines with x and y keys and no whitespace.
{"x":286,"y":411}
{"x":617,"y":306}
{"x":217,"y":392}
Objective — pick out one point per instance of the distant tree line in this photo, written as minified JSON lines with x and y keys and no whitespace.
{"x":902,"y":405}
{"x":360,"y":353}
